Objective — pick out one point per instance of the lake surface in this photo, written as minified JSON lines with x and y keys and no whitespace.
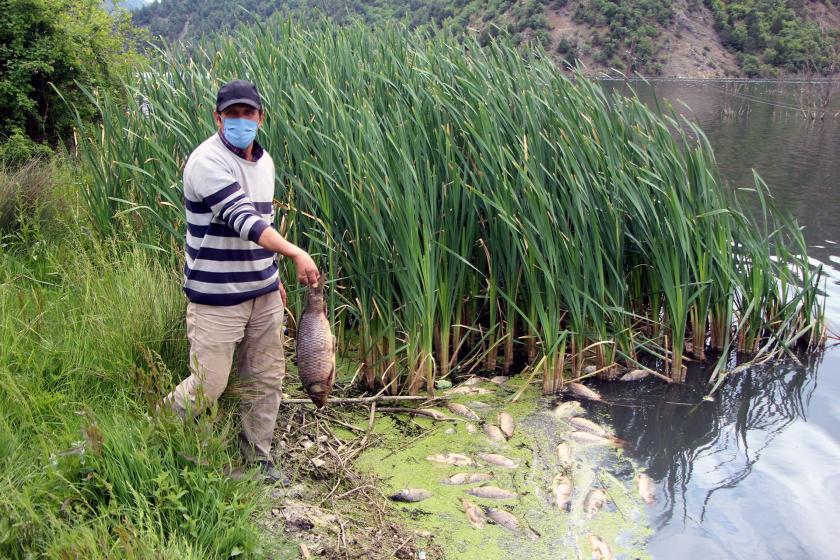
{"x":756,"y":472}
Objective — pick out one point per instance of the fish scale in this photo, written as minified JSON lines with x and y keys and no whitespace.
{"x":315,"y":347}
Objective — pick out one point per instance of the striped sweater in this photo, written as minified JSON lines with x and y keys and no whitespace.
{"x":228,"y":205}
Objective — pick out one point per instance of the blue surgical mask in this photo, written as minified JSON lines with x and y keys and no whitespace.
{"x":240,"y":132}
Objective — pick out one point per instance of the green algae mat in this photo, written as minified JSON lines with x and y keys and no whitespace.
{"x":544,"y":529}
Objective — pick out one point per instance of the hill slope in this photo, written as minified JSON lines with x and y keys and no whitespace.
{"x":685,"y":38}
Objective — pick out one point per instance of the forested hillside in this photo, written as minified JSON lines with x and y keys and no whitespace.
{"x":698,"y":38}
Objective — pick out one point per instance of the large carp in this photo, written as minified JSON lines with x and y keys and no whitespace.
{"x":315,"y":346}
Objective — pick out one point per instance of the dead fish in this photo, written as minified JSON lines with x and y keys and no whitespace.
{"x":503,"y":518}
{"x":472,"y":381}
{"x":467,"y":390}
{"x":498,"y":460}
{"x":493,"y":432}
{"x":635,"y":375}
{"x":583,"y":391}
{"x":499,"y":379}
{"x":315,"y":346}
{"x":467,"y":478}
{"x":479,"y":404}
{"x":411,"y":495}
{"x":564,"y":455}
{"x":506,"y":424}
{"x":600,"y":549}
{"x":462,"y":410}
{"x":590,"y":369}
{"x":594,"y":501}
{"x":432,"y":413}
{"x":491,"y":493}
{"x":588,"y":438}
{"x":588,"y":426}
{"x":475,"y":515}
{"x":562,"y":489}
{"x":647,"y":488}
{"x":471,"y":428}
{"x":567,"y":409}
{"x":452,"y":459}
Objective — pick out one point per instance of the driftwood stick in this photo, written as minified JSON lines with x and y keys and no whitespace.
{"x":433,"y":414}
{"x":355,"y":400}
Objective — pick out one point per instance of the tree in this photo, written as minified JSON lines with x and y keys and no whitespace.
{"x":63,"y":45}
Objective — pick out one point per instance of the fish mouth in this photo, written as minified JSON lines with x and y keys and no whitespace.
{"x":318,"y":395}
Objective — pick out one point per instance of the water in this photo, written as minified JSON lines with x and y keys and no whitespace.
{"x":756,"y":472}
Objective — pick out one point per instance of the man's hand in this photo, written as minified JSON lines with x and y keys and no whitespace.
{"x":307,"y":271}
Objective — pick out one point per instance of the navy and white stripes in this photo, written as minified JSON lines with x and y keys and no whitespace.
{"x":228,"y":206}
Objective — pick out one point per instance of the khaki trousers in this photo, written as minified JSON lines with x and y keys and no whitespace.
{"x":254,"y":329}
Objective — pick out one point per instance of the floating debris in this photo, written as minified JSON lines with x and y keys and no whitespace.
{"x":635,"y":375}
{"x":462,"y":410}
{"x":411,"y":495}
{"x":594,"y":501}
{"x":475,"y":515}
{"x":647,"y":488}
{"x":493,"y":432}
{"x":467,"y":478}
{"x":588,"y":426}
{"x":583,"y":391}
{"x":498,"y":460}
{"x":506,"y":424}
{"x":491,"y":493}
{"x":452,"y":459}
{"x":562,"y":489}
{"x":600,"y":549}
{"x":568,"y":409}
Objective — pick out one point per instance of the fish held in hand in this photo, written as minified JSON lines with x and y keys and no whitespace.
{"x":506,"y":424}
{"x":315,"y":346}
{"x":491,"y":493}
{"x":647,"y":489}
{"x":411,"y":495}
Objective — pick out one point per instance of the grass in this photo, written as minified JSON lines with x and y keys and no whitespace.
{"x":472,"y":207}
{"x":91,"y":334}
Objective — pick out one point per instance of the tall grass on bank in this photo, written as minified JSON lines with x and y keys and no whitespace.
{"x":89,"y":330}
{"x":473,"y":205}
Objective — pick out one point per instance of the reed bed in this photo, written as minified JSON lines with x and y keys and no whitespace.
{"x":472,"y":207}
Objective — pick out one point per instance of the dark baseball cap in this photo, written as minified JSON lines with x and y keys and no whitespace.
{"x":238,"y":91}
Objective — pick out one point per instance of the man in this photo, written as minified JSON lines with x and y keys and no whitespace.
{"x":236,"y":300}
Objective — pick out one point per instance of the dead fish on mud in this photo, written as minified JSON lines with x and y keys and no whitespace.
{"x":499,"y":379}
{"x":647,"y":489}
{"x":588,"y":426}
{"x":475,"y":515}
{"x":462,"y":410}
{"x":467,"y":478}
{"x":491,"y":493}
{"x":493,"y":432}
{"x":600,"y":549}
{"x":471,"y":428}
{"x":594,"y":501}
{"x":509,"y":522}
{"x":315,"y":346}
{"x":584,"y":392}
{"x":564,"y":455}
{"x":567,"y":409}
{"x":562,"y":490}
{"x":411,"y":495}
{"x":480,"y":405}
{"x":467,"y":390}
{"x":452,"y":459}
{"x":588,"y":438}
{"x":472,"y":381}
{"x":506,"y":424}
{"x":498,"y":460}
{"x":635,"y":375}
